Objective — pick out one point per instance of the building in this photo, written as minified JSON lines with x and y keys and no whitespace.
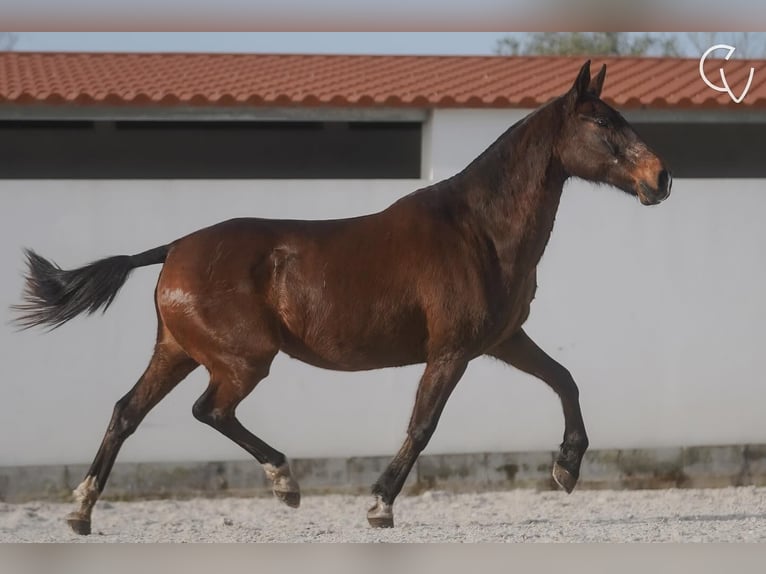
{"x":658,"y":312}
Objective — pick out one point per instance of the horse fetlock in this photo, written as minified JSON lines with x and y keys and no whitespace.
{"x":578,"y":441}
{"x":285,"y":487}
{"x":566,"y":469}
{"x":380,"y":514}
{"x":87,"y":493}
{"x":572,"y":451}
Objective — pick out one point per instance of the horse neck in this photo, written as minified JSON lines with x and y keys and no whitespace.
{"x":514,"y":188}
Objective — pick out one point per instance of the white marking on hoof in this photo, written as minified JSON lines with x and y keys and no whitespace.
{"x":281,"y":477}
{"x":563,"y":478}
{"x":86,"y":492}
{"x":380,"y":514}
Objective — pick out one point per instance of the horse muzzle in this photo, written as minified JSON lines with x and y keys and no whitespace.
{"x":652,"y":195}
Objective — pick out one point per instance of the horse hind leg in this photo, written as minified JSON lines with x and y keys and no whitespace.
{"x":168,"y":366}
{"x":231,"y":381}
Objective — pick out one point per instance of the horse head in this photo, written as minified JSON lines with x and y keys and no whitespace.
{"x":597,"y":144}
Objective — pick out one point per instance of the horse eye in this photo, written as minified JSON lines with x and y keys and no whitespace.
{"x":603,"y":122}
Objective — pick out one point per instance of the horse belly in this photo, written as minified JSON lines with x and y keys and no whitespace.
{"x":353,"y":344}
{"x":347,"y":322}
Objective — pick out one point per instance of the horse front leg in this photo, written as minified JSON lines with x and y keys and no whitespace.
{"x":521,"y":352}
{"x":436,"y":385}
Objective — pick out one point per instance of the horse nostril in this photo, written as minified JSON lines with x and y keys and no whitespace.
{"x":665,"y":182}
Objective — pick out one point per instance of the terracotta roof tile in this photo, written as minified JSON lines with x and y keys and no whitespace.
{"x":316,"y":80}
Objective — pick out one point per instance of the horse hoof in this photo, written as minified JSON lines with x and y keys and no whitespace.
{"x":291,"y":499}
{"x":79,"y":524}
{"x":564,"y":478}
{"x":381,"y":521}
{"x":380,"y":515}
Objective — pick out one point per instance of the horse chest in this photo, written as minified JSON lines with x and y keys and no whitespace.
{"x":511,"y":309}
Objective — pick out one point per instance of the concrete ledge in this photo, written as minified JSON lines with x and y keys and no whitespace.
{"x":687,"y":467}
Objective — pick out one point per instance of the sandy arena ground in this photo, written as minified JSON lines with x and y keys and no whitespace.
{"x":714,"y":515}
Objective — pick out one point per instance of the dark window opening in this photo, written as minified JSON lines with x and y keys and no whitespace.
{"x":209,"y":150}
{"x":709,"y":150}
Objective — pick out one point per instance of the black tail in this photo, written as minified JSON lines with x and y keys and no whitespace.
{"x":52,"y":296}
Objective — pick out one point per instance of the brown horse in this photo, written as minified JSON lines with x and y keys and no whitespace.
{"x":442,"y":276}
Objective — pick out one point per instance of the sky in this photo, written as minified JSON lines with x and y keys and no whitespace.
{"x":469,"y":43}
{"x":418,"y":43}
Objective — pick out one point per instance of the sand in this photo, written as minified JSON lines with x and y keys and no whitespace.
{"x":710,"y":515}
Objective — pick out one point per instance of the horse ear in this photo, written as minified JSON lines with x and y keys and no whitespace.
{"x":580,"y":86}
{"x":598,"y":82}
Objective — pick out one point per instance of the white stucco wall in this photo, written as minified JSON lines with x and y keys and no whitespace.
{"x":658,"y":312}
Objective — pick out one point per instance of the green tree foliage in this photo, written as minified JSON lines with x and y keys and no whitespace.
{"x":748,"y":44}
{"x":587,"y":43}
